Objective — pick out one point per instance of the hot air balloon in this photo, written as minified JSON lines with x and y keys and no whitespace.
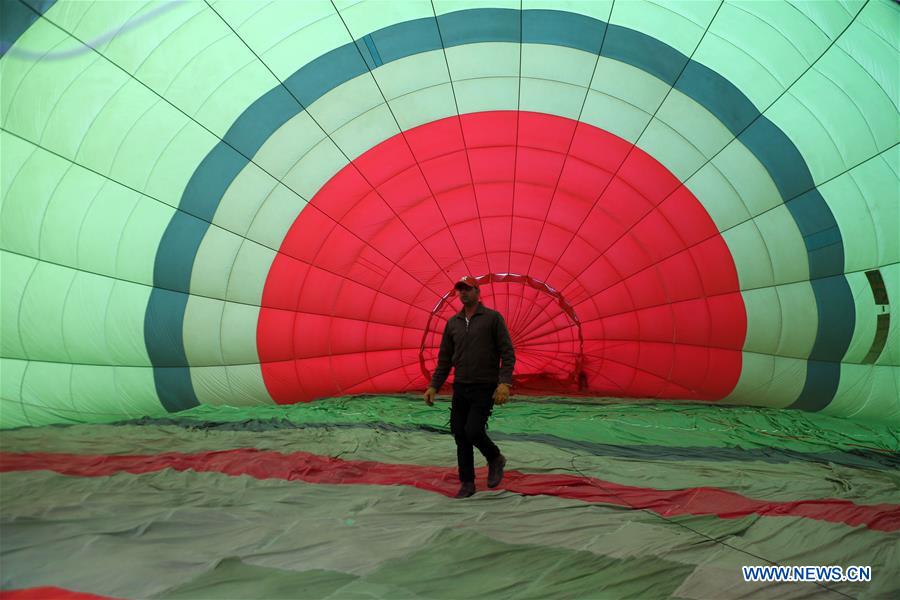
{"x":245,"y":219}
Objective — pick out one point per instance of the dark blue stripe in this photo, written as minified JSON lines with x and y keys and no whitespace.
{"x":207,"y":185}
{"x":373,"y":51}
{"x":785,"y":163}
{"x":363,"y":49}
{"x":166,"y":316}
{"x":555,"y":28}
{"x":833,"y":336}
{"x":324,"y":74}
{"x":405,"y":39}
{"x":165,"y":344}
{"x":770,"y":145}
{"x":820,"y":234}
{"x":479,"y":25}
{"x":835,"y":325}
{"x":821,"y":382}
{"x":16,"y":17}
{"x":266,"y":115}
{"x":735,"y":111}
{"x":175,"y":256}
{"x":174,"y":387}
{"x":644,"y":52}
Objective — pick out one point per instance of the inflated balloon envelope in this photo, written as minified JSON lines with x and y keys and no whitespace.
{"x":225,"y":207}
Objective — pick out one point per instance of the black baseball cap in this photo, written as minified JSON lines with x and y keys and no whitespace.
{"x":466,"y":281}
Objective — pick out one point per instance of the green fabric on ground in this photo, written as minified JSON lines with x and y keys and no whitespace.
{"x":181,"y":534}
{"x":616,"y":422}
{"x":794,"y":480}
{"x":231,"y":578}
{"x":166,"y":533}
{"x":467,"y":564}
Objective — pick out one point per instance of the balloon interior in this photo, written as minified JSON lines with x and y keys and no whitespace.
{"x":231,"y":232}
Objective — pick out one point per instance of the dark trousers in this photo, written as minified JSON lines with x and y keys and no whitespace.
{"x":469,"y":412}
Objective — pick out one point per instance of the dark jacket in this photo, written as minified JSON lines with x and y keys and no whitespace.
{"x":476,"y":350}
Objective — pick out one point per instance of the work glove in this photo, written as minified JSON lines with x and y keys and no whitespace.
{"x":501,"y":394}
{"x":430,"y":393}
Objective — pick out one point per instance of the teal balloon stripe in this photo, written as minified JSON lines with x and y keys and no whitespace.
{"x":16,"y":16}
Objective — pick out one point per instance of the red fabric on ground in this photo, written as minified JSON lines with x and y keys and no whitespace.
{"x":312,"y":468}
{"x":48,"y":593}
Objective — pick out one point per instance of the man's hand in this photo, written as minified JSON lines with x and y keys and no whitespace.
{"x":430,"y":393}
{"x":501,"y":394}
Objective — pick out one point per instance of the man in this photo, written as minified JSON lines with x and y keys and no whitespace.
{"x":477,"y":344}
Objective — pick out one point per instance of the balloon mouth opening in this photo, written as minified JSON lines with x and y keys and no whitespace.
{"x":572,"y":380}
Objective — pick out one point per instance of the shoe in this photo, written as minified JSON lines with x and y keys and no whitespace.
{"x":466,"y":489}
{"x":495,"y":471}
